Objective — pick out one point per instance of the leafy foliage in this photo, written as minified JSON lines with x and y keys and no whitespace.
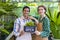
{"x":8,"y":16}
{"x":31,"y":23}
{"x":54,"y":22}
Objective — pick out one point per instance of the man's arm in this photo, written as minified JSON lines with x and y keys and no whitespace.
{"x":16,"y":28}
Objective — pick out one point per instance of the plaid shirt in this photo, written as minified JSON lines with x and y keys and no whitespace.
{"x":19,"y":26}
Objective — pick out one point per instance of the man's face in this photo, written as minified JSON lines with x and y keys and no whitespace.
{"x":26,"y":12}
{"x":41,"y":10}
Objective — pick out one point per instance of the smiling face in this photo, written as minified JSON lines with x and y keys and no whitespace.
{"x":26,"y":11}
{"x":41,"y":10}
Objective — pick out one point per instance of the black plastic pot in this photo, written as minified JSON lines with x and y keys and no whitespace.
{"x":29,"y":28}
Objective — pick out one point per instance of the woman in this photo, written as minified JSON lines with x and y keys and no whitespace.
{"x":45,"y":23}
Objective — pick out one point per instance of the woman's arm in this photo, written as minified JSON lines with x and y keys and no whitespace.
{"x":46,"y":29}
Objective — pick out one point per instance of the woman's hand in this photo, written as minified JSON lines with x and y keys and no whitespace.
{"x":37,"y":32}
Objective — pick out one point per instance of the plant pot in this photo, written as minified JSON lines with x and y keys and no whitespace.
{"x":29,"y":28}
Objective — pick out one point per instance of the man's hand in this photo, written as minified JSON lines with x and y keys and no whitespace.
{"x":21,"y":33}
{"x":32,"y":18}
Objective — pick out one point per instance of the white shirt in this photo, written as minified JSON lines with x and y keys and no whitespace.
{"x":19,"y":26}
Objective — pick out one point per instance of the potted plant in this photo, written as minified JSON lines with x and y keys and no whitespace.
{"x":54,"y":22}
{"x":29,"y":27}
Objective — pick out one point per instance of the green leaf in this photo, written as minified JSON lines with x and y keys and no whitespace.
{"x":4,"y":30}
{"x":31,"y":23}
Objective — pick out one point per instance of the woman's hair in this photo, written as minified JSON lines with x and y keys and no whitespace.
{"x":26,"y":7}
{"x":41,"y":6}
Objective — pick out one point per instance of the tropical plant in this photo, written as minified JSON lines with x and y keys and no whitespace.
{"x":8,"y":16}
{"x":29,"y":24}
{"x":54,"y":22}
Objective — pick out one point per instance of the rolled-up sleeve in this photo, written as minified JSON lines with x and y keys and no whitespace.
{"x":16,"y":28}
{"x":46,"y":28}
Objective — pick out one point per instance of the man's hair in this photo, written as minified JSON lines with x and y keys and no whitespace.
{"x":41,"y":6}
{"x":26,"y":7}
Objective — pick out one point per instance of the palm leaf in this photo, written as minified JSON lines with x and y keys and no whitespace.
{"x":4,"y":30}
{"x":58,"y":14}
{"x":49,"y":12}
{"x":55,"y":16}
{"x":2,"y":11}
{"x":49,"y":15}
{"x":58,"y":18}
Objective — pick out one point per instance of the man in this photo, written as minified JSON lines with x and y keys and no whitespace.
{"x":19,"y":25}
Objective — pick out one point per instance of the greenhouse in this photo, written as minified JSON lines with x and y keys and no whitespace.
{"x":10,"y":10}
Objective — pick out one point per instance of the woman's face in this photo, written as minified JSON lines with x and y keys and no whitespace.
{"x":41,"y":10}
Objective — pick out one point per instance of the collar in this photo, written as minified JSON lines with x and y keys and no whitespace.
{"x":22,"y":17}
